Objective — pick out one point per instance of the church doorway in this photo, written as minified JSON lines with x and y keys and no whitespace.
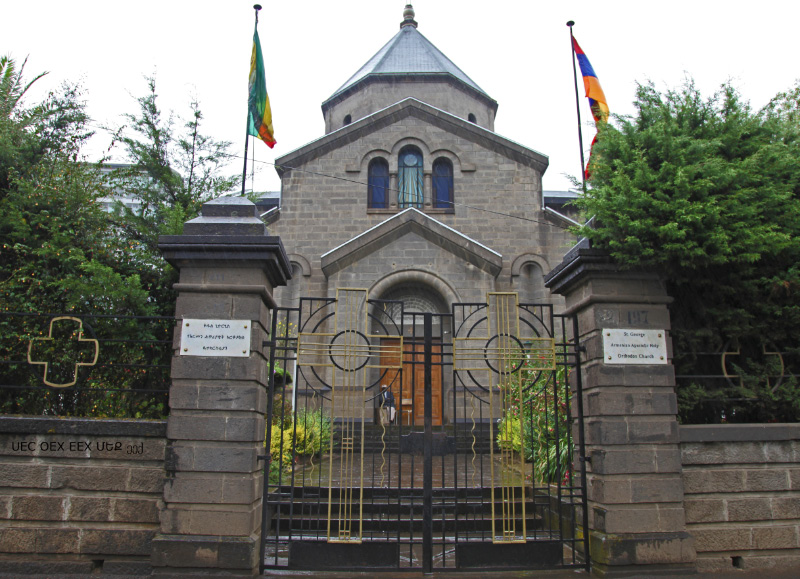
{"x":406,"y":302}
{"x":411,"y":399}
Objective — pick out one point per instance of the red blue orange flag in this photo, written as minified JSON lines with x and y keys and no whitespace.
{"x":594,"y":92}
{"x":259,"y":114}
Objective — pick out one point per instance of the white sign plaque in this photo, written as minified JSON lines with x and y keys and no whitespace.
{"x":229,"y":338}
{"x":634,"y":346}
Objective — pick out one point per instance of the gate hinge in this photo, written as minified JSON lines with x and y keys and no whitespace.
{"x":268,"y":343}
{"x":581,"y":348}
{"x":262,"y":456}
{"x":586,"y":459}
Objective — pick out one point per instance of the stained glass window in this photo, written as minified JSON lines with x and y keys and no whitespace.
{"x":443,"y":184}
{"x":378,"y":197}
{"x":409,"y":178}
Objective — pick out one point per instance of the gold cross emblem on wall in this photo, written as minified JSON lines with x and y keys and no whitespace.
{"x":64,"y":348}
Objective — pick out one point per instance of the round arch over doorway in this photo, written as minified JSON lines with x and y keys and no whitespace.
{"x":416,"y":278}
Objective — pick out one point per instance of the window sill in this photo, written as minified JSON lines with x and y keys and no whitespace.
{"x":431,"y":210}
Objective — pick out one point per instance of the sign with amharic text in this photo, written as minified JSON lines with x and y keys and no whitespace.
{"x":229,"y":338}
{"x":634,"y":346}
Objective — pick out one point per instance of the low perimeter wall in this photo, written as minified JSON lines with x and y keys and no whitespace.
{"x":84,"y":495}
{"x":79,"y":495}
{"x":742,"y":494}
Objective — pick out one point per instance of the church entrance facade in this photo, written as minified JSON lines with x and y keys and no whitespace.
{"x":474,"y":472}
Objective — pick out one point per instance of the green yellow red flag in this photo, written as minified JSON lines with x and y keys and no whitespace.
{"x":259,"y":113}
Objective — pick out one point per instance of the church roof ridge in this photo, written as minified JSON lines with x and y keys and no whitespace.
{"x":408,"y":52}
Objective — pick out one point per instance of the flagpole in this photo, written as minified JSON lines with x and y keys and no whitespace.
{"x":256,"y":7}
{"x":244,"y":172}
{"x":571,"y":23}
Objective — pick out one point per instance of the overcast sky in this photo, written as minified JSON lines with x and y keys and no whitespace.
{"x":516,"y":51}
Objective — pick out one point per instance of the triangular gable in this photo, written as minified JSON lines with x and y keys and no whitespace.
{"x":396,"y":113}
{"x":412,"y":220}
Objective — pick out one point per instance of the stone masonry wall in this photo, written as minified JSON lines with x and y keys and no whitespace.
{"x":319,"y":213}
{"x":413,"y":253}
{"x":79,"y":495}
{"x":373,"y":96}
{"x":742,"y":494}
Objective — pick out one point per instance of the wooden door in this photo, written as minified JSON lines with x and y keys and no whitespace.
{"x":410,"y":395}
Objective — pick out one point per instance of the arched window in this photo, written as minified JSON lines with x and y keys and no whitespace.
{"x":378,"y":197}
{"x":347,"y":120}
{"x":471,"y":118}
{"x":443,"y":184}
{"x":409,"y":178}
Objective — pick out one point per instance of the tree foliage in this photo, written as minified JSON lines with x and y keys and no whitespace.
{"x":172,"y":171}
{"x":59,"y":252}
{"x":707,"y":192}
{"x":62,"y":253}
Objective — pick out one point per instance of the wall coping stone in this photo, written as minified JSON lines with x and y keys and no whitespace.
{"x":738,"y":432}
{"x":85,"y":426}
{"x":583,"y":260}
{"x":229,"y":251}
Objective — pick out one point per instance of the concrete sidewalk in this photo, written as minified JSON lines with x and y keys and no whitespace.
{"x":554,"y":574}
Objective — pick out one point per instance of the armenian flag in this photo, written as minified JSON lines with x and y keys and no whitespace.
{"x":259,"y":113}
{"x":594,"y":92}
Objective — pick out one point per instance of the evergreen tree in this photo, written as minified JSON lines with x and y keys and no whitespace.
{"x":707,"y":192}
{"x":59,"y":252}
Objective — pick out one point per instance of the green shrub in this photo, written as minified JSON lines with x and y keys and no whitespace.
{"x":536,"y":425}
{"x":309,"y":434}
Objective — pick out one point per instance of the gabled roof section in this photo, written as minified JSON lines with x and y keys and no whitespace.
{"x":412,"y":220}
{"x":396,"y":113}
{"x":408,"y":53}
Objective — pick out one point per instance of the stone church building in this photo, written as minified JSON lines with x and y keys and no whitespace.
{"x":411,"y":194}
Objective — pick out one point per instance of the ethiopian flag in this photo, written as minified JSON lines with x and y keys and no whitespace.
{"x":259,"y":115}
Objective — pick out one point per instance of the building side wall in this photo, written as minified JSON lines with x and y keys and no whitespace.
{"x":374,"y":96}
{"x":742,"y":495}
{"x":79,"y":495}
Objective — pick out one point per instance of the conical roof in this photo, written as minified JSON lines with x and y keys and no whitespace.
{"x":409,"y":53}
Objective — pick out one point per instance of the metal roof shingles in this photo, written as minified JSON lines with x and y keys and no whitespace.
{"x":408,"y":52}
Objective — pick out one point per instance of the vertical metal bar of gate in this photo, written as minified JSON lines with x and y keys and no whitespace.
{"x":427,"y":505}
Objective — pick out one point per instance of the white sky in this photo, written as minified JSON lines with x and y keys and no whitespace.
{"x":517,"y":51}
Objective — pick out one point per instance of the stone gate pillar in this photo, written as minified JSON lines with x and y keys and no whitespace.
{"x":215,"y":432}
{"x":634,"y":487}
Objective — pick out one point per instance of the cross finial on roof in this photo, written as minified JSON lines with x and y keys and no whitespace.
{"x":408,"y":17}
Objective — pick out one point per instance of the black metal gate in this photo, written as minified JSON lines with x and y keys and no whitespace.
{"x":471,"y":467}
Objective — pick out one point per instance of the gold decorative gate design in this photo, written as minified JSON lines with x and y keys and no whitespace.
{"x":347,"y":351}
{"x":455,"y":493}
{"x":494,"y":357}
